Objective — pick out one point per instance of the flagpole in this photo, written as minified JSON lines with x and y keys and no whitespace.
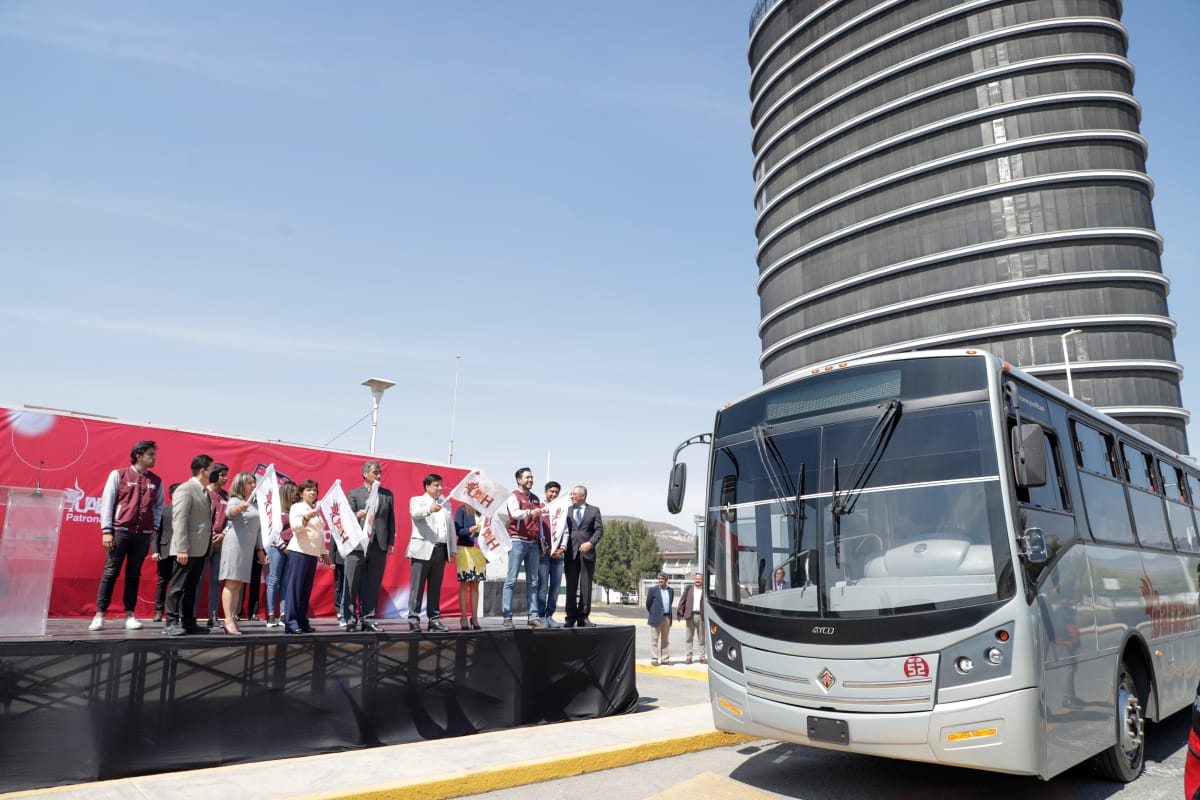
{"x":547,"y":465}
{"x":454,"y":409}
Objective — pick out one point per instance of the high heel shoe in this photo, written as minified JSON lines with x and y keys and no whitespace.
{"x":475,"y":626}
{"x":231,"y":631}
{"x":463,"y":624}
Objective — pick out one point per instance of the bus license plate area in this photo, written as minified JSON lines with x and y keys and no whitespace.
{"x":834,"y":731}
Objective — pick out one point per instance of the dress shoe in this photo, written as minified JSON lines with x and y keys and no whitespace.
{"x":157,"y":617}
{"x":292,"y":630}
{"x":414,"y":626}
{"x":507,"y":624}
{"x":537,"y":623}
{"x":475,"y":626}
{"x":196,"y":630}
{"x":371,"y":626}
{"x":436,"y":626}
{"x":173,"y":629}
{"x":212,"y":621}
{"x":231,"y":630}
{"x":569,"y":623}
{"x":308,"y":629}
{"x":351,"y":625}
{"x":586,"y":623}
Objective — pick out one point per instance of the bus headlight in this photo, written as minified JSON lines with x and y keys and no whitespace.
{"x":983,"y":657}
{"x":964,"y":664}
{"x":994,"y":656}
{"x":726,"y":649}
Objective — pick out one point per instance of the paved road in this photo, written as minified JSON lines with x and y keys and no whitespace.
{"x":783,"y":770}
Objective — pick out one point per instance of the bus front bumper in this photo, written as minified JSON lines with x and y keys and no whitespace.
{"x":999,"y":732}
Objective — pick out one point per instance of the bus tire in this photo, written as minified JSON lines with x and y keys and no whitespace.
{"x":1124,"y":760}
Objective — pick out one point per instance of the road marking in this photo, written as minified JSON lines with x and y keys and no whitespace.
{"x":674,"y":672}
{"x":711,"y":786}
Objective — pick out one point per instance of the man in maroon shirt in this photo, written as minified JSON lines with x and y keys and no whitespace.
{"x":130,"y":510}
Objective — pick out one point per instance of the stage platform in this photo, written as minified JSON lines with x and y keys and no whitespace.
{"x":77,"y":706}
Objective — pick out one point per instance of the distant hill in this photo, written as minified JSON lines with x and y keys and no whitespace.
{"x":670,"y":538}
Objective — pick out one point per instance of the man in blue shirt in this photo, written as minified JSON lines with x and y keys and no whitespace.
{"x":658,"y":606}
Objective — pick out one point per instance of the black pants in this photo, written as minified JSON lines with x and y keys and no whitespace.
{"x":364,"y":579}
{"x":165,"y":566}
{"x":181,"y":592}
{"x":579,"y":587}
{"x":129,"y":549}
{"x":339,"y":586}
{"x":248,"y":601}
{"x":427,"y":573}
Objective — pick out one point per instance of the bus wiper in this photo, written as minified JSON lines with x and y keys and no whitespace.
{"x":772,"y":461}
{"x":869,"y":456}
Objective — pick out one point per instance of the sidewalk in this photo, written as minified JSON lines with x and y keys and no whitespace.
{"x":433,"y":769}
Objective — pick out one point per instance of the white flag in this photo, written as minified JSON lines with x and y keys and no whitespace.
{"x":480,"y":492}
{"x":368,"y":525}
{"x":493,"y":540}
{"x":270,"y":513}
{"x":340,"y":520}
{"x":555,"y":515}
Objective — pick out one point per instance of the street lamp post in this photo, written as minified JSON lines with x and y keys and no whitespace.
{"x":1067,"y":358}
{"x":454,"y":409}
{"x":377,"y":386}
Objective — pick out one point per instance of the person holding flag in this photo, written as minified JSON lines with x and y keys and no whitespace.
{"x":554,"y":547}
{"x":374,"y":507}
{"x":433,"y":543}
{"x":303,"y":551}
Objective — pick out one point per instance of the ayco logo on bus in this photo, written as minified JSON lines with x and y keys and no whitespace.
{"x":916,"y":667}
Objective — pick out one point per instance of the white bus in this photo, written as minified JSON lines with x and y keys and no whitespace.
{"x":933,"y":556}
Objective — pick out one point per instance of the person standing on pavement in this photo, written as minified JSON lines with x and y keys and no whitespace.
{"x":691,"y":611}
{"x":431,"y":545}
{"x":365,"y":564}
{"x":658,"y":607}
{"x":525,"y":530}
{"x":130,"y":512}
{"x":191,"y":539}
{"x":160,"y":553}
{"x":585,"y":528}
{"x":551,"y":562}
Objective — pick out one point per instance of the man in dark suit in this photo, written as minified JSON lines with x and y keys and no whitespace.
{"x":191,"y":538}
{"x":691,"y":611}
{"x":658,"y":609}
{"x":585,"y":527}
{"x":365,"y":564}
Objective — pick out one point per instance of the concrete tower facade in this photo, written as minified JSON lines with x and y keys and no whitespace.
{"x":945,"y":173}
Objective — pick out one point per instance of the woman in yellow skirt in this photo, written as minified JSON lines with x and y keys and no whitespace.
{"x":471,"y":564}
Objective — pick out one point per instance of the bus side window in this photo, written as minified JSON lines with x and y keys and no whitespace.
{"x":1050,"y":495}
{"x":1145,"y":499}
{"x":1103,"y":491}
{"x":1179,"y":515}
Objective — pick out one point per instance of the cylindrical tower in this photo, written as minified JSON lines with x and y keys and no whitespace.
{"x":948,"y":173}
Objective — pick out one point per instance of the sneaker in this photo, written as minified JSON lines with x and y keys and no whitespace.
{"x":97,"y":623}
{"x":654,"y":662}
{"x":550,"y":623}
{"x":341,"y":622}
{"x":131,"y":623}
{"x":506,"y":624}
{"x":537,"y":623}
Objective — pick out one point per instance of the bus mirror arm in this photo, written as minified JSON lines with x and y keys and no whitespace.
{"x":677,"y":484}
{"x":1032,"y":546}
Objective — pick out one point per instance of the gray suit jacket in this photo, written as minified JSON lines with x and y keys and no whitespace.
{"x":191,"y":520}
{"x":383,"y":535}
{"x":590,"y":529}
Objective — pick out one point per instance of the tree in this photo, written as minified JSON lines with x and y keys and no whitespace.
{"x":627,"y":552}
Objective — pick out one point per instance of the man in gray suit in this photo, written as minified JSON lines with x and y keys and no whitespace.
{"x":365,"y":564}
{"x":585,"y":527}
{"x":191,"y":537}
{"x":432,"y":545}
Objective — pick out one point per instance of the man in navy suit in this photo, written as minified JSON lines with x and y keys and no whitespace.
{"x":658,"y":606}
{"x":585,"y":527}
{"x":365,"y":564}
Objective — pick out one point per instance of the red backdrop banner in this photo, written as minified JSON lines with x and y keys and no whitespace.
{"x":76,"y":453}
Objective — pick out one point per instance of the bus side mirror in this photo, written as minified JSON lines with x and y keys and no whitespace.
{"x":1033,"y":546}
{"x":1029,"y":454}
{"x":676,"y":486}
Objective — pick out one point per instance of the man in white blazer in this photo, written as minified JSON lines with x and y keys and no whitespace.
{"x":432,"y":545}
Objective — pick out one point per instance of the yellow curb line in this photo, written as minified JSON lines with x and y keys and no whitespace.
{"x":669,"y":672}
{"x":469,"y":782}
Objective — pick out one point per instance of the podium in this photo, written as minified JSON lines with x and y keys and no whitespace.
{"x":28,"y":547}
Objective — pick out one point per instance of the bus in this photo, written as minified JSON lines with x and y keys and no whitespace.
{"x":933,"y":556}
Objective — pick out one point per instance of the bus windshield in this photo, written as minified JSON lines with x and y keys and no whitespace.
{"x":920,"y":524}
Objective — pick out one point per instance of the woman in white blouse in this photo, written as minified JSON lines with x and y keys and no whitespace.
{"x":307,"y":545}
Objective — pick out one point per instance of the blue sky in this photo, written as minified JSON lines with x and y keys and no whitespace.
{"x":225,"y":217}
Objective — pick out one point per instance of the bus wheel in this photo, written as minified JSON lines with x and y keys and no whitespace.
{"x":1123,"y":761}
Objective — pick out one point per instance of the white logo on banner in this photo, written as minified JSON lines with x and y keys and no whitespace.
{"x":488,"y":498}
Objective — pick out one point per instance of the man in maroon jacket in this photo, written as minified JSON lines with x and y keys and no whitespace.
{"x":130,"y":510}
